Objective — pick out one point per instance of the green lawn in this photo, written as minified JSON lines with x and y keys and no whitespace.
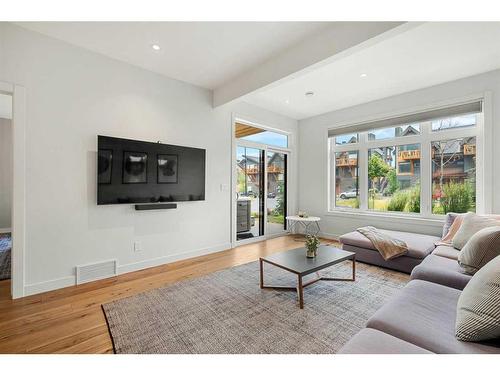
{"x":350,"y":202}
{"x":379,"y":203}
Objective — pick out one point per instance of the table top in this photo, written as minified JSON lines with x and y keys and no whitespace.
{"x":296,"y":261}
{"x":298,"y":218}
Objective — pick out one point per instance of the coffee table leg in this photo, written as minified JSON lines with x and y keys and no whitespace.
{"x":261,"y":274}
{"x":300,"y":291}
{"x":354,"y":268}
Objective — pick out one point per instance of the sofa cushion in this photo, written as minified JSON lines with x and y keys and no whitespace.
{"x":441,"y":270}
{"x":371,"y":341}
{"x":446,"y":252}
{"x":472,"y":224}
{"x":419,"y":245}
{"x":482,"y":247}
{"x":478,"y":308}
{"x":424,"y":314}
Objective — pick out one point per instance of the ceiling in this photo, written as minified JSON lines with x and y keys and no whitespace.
{"x":206,"y":54}
{"x":421,"y":56}
{"x":213,"y":54}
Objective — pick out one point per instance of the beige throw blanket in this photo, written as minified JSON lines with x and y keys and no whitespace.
{"x":387,"y":246}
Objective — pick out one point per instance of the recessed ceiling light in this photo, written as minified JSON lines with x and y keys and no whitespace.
{"x":156,"y":47}
{"x":287,"y":101}
{"x":309,"y":93}
{"x":363,"y":75}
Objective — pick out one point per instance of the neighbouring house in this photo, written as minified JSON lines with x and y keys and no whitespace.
{"x":250,"y":166}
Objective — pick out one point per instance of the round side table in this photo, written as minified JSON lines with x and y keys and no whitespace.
{"x":310,"y":224}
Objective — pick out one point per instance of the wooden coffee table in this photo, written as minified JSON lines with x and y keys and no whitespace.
{"x":295,"y":261}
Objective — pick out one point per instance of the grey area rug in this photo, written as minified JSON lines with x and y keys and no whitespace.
{"x":5,"y":255}
{"x":227,"y":312}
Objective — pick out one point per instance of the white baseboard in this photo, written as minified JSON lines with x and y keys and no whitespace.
{"x":46,"y":286}
{"x":148,"y":263}
{"x":5,"y":230}
{"x":63,"y":282}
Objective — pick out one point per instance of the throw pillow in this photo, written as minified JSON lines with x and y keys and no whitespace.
{"x":447,"y":240}
{"x":482,"y":247}
{"x":478,"y":315}
{"x":448,"y":221}
{"x":471,"y":224}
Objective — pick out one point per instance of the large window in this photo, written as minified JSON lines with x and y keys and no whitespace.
{"x":425,"y":167}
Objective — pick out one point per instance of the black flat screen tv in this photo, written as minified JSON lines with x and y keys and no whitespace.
{"x":130,"y":171}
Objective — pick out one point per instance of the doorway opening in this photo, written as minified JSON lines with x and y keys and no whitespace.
{"x":6,"y":185}
{"x":261,"y":182}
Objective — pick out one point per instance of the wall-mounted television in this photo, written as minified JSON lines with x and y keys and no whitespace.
{"x":130,"y":171}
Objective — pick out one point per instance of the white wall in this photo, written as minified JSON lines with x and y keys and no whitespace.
{"x":5,"y":172}
{"x":5,"y":105}
{"x":72,"y":96}
{"x":313,"y":152}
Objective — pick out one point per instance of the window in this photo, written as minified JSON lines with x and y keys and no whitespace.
{"x":454,"y":122}
{"x":393,"y":180}
{"x":346,"y":138}
{"x":397,"y":131}
{"x":454,"y":175}
{"x":346,"y":179}
{"x":425,"y":167}
{"x":258,"y":135}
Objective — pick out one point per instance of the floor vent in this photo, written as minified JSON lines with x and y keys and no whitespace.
{"x":96,"y":271}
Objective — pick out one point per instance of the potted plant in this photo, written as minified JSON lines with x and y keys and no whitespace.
{"x":312,"y":243}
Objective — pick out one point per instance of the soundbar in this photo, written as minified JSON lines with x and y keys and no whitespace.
{"x":156,"y":206}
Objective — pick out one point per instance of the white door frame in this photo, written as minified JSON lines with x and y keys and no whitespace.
{"x":234,"y":144}
{"x":18,"y":220}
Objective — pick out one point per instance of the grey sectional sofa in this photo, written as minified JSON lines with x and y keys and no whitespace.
{"x":419,"y":245}
{"x":419,"y":320}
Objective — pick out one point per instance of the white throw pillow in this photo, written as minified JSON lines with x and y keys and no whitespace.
{"x":472,"y":224}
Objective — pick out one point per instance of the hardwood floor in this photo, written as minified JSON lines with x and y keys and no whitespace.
{"x":71,"y":320}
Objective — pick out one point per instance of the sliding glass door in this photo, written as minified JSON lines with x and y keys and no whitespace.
{"x":261,"y":191}
{"x":250,"y":192}
{"x":276,"y":169}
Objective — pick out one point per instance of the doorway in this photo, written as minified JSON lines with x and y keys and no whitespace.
{"x":260,"y":183}
{"x":6,"y":185}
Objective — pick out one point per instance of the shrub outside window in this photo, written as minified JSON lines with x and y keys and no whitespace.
{"x":454,"y":175}
{"x":394,"y":178}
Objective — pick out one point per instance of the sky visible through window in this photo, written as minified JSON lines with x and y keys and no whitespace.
{"x":454,"y":122}
{"x":398,"y":131}
{"x":346,"y":138}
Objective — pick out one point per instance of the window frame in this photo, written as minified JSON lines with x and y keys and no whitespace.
{"x":426,"y":136}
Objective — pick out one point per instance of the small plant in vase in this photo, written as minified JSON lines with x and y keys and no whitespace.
{"x":312,"y":243}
